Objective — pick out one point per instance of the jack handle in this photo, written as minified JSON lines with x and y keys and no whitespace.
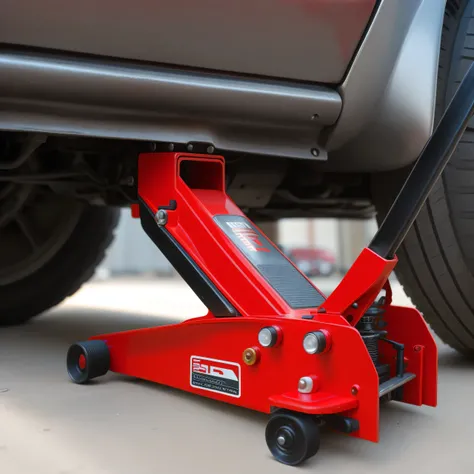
{"x":426,"y":171}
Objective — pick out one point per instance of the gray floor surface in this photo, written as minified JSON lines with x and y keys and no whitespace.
{"x":121,"y":425}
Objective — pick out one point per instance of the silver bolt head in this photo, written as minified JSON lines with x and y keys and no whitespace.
{"x":305,"y":385}
{"x":281,"y":440}
{"x":161,"y":217}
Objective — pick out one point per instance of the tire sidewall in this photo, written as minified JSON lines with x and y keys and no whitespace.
{"x":65,"y":272}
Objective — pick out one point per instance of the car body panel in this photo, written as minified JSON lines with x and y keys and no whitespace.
{"x":389,"y":93}
{"x":310,"y":40}
{"x":376,"y":118}
{"x":114,"y":99}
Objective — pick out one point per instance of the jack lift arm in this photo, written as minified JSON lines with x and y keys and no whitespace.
{"x":271,"y":341}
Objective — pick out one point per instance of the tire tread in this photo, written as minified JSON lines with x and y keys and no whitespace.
{"x":436,"y":260}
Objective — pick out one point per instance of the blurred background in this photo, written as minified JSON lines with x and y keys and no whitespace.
{"x":319,"y":247}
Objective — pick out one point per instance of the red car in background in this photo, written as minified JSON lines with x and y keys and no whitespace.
{"x":312,"y":261}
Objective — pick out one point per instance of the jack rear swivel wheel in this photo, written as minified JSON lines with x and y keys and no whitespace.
{"x":292,"y":437}
{"x":87,"y":360}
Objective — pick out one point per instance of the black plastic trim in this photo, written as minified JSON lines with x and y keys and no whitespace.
{"x":170,"y":207}
{"x":282,"y":275}
{"x":343,"y":424}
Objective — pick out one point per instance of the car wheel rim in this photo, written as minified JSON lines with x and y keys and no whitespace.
{"x":35,"y":223}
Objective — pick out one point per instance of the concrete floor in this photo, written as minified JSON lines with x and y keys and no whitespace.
{"x":120,"y":425}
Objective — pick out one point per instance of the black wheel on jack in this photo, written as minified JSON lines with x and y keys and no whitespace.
{"x":292,"y":437}
{"x":87,"y":360}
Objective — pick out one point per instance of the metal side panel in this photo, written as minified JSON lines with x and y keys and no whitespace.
{"x":389,"y":92}
{"x":93,"y":97}
{"x":311,"y":40}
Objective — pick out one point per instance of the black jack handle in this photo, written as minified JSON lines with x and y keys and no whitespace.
{"x":427,"y":169}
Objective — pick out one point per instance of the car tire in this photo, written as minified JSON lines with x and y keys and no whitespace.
{"x":436,"y":260}
{"x":63,"y":274}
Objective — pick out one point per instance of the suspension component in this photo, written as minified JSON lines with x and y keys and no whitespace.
{"x":370,"y":335}
{"x":367,"y":326}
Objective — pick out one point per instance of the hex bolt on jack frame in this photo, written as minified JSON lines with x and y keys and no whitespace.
{"x":271,"y":341}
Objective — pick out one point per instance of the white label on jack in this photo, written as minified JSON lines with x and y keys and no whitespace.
{"x":215,"y":375}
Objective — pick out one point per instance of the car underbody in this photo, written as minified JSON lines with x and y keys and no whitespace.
{"x":104,"y":173}
{"x":301,"y":132}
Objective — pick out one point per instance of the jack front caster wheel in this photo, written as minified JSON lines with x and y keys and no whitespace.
{"x":292,"y":437}
{"x":87,"y":360}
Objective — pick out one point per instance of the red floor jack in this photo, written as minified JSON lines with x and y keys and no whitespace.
{"x":271,"y":341}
